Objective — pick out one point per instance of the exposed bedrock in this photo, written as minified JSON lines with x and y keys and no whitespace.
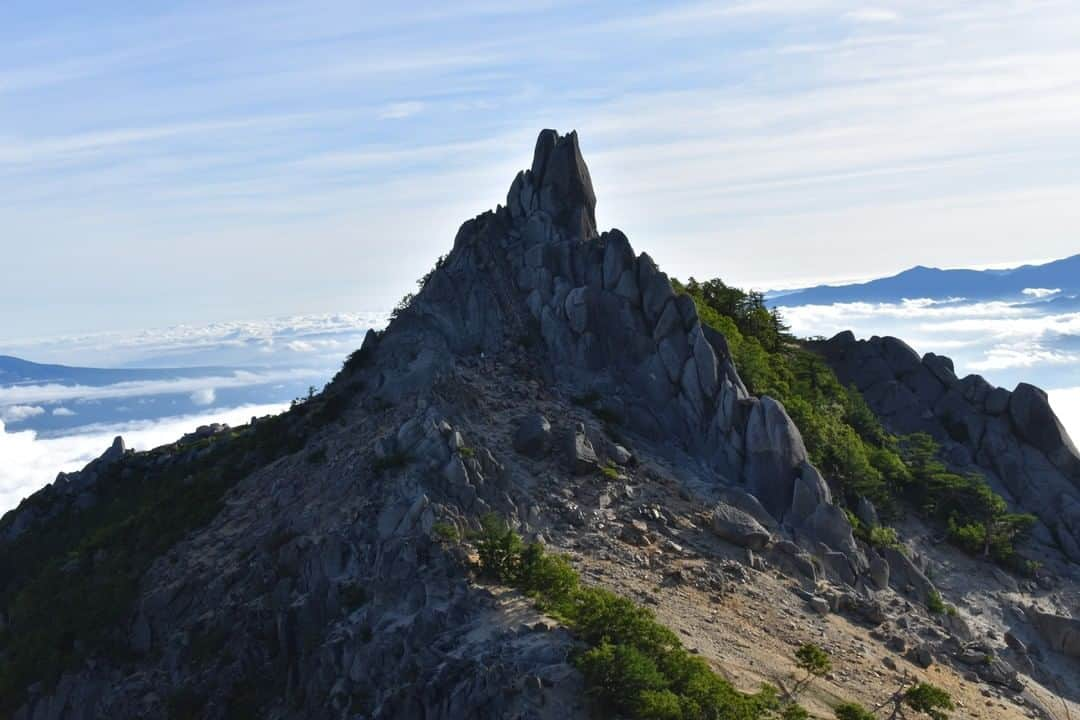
{"x":1013,"y":438}
{"x":604,"y":321}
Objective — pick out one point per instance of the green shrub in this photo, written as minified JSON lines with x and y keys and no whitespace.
{"x":620,"y":674}
{"x":813,"y":660}
{"x":466,"y":452}
{"x":843,"y":437}
{"x":633,"y":665}
{"x":610,"y":471}
{"x":934,"y":603}
{"x":929,"y":699}
{"x":882,"y":536}
{"x":446,"y":532}
{"x":499,"y":549}
{"x":852,"y":711}
{"x":549,"y":576}
{"x":794,"y":711}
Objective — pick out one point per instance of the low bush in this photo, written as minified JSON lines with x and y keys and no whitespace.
{"x":633,"y":665}
{"x":446,"y":532}
{"x":852,"y":711}
{"x":929,"y":699}
{"x":934,"y":603}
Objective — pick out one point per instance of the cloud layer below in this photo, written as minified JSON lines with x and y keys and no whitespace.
{"x":31,"y":462}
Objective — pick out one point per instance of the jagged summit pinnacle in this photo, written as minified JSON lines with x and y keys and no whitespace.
{"x":558,"y":183}
{"x":602,"y":320}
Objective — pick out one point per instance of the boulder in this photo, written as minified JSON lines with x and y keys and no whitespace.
{"x":738,"y":527}
{"x":563,"y":182}
{"x":941,"y":367}
{"x":580,"y":453}
{"x":879,"y":572}
{"x":829,"y":525}
{"x":1035,"y":421}
{"x":904,"y":574}
{"x":997,"y":401}
{"x":533,"y":435}
{"x":774,"y":454}
{"x":618,"y":258}
{"x":838,"y":565}
{"x":794,"y":559}
{"x":899,"y":355}
{"x":1061,"y":634}
{"x":810,"y":491}
{"x":750,"y":505}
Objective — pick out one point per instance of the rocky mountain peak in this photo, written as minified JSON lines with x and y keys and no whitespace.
{"x":320,"y":563}
{"x":601,"y":320}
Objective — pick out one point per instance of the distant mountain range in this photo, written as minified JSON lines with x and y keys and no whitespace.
{"x":16,"y":371}
{"x":1027,"y":283}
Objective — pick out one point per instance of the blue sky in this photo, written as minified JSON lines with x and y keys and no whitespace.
{"x":199,"y":162}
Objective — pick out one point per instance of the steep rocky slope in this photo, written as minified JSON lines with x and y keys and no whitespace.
{"x":1012,"y":438}
{"x":305,"y":566}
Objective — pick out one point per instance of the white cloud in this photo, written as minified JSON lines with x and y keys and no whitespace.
{"x":204,"y":396}
{"x":66,"y":393}
{"x":1017,"y":356}
{"x":301,"y":346}
{"x":1041,"y":292}
{"x":18,"y":413}
{"x":1005,"y":342}
{"x":217,"y":343}
{"x":30,"y":462}
{"x":63,"y":412}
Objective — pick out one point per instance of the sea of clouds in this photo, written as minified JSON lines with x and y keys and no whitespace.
{"x":264,"y":364}
{"x":1005,"y":342}
{"x":30,"y":461}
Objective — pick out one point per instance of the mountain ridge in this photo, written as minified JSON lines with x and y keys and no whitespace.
{"x":317,"y":564}
{"x":920,"y":282}
{"x":15,"y":370}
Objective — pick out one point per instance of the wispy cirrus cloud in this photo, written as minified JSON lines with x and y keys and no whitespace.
{"x":939,"y":132}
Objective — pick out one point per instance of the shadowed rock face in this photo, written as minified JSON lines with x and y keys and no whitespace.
{"x":602,"y":320}
{"x":1012,"y":438}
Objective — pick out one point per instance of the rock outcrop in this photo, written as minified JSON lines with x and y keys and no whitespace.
{"x":1062,"y":634}
{"x":605,"y":322}
{"x":1012,"y":438}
